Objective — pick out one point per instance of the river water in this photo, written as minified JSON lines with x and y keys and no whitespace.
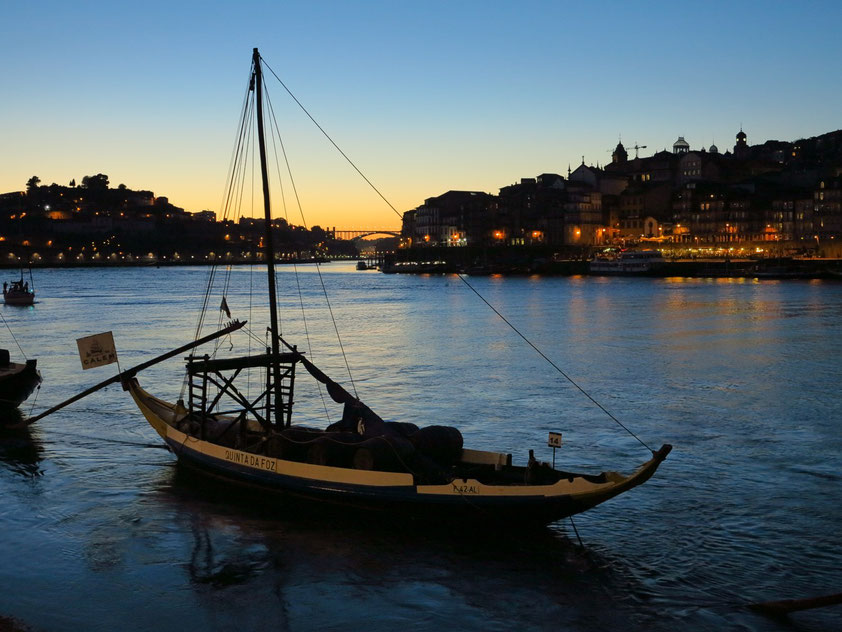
{"x":102,"y":531}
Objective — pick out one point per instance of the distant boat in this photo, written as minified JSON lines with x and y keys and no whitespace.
{"x":787,"y":268}
{"x":17,"y":381}
{"x":242,"y":431}
{"x":18,"y":292}
{"x":416,"y":267}
{"x":780,"y":273}
{"x":627,"y":262}
{"x":362,"y":265}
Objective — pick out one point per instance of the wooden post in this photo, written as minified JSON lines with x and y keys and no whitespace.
{"x":129,"y":373}
{"x":785,"y":606}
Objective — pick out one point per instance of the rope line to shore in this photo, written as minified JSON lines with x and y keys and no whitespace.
{"x":276,"y":133}
{"x":553,"y":364}
{"x":465,"y":281}
{"x":11,"y":333}
{"x":326,"y":135}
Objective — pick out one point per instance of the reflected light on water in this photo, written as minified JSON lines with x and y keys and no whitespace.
{"x":103,"y":531}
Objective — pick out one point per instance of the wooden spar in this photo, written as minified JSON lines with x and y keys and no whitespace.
{"x":269,"y":249}
{"x":784,"y":607}
{"x":131,"y":372}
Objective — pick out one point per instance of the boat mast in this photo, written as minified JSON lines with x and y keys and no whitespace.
{"x":268,"y":248}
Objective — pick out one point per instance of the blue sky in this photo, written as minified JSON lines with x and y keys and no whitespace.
{"x":424,"y":96}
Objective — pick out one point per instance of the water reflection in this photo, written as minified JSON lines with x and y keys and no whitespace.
{"x":236,"y":560}
{"x":98,"y":522}
{"x":20,"y":451}
{"x":383,"y":574}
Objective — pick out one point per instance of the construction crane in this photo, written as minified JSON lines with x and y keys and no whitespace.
{"x":636,"y":148}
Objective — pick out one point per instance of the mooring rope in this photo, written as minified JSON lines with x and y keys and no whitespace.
{"x":552,"y":364}
{"x":276,"y":133}
{"x":37,"y":393}
{"x":304,"y":222}
{"x":461,"y":277}
{"x":5,"y":322}
{"x":326,"y":135}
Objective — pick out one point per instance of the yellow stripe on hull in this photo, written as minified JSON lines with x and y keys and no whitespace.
{"x":258,"y":463}
{"x":163,"y":416}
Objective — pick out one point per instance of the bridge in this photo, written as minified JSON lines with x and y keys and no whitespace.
{"x":337,"y":233}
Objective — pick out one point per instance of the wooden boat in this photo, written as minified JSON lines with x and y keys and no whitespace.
{"x":627,"y":262}
{"x":17,"y":381}
{"x":18,"y":292}
{"x":247,"y":435}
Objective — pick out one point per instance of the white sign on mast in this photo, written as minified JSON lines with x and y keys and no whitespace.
{"x":97,"y":350}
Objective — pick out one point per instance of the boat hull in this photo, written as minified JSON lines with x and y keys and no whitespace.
{"x":459,"y":500}
{"x":628,"y":263}
{"x":405,"y":500}
{"x":18,"y":298}
{"x":17,"y":381}
{"x":607,"y":269}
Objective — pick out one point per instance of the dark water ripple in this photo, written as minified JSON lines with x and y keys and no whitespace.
{"x":101,"y":531}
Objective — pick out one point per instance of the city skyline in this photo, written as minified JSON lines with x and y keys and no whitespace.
{"x":424,"y":98}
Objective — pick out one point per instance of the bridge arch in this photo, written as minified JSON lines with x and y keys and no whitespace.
{"x":337,"y":233}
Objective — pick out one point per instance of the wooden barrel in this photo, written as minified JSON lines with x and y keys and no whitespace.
{"x":363,"y":459}
{"x":319,"y":452}
{"x":333,"y":448}
{"x":292,"y":444}
{"x":443,"y":444}
{"x":402,"y":428}
{"x":383,"y":454}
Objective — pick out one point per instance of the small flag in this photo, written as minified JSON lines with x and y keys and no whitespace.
{"x":224,"y":307}
{"x":97,"y":350}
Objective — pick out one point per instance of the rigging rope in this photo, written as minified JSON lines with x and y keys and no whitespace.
{"x":37,"y":393}
{"x":240,"y":147}
{"x":552,"y":364}
{"x":326,"y":135}
{"x":231,"y":199}
{"x":318,"y":266}
{"x":461,"y":277}
{"x":13,"y":335}
{"x":276,"y":134}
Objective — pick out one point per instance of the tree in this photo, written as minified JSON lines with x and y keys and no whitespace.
{"x":73,"y":183}
{"x":33,"y":183}
{"x":98,"y":182}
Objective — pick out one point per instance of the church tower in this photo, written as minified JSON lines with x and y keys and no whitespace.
{"x":620,"y":155}
{"x":741,"y":148}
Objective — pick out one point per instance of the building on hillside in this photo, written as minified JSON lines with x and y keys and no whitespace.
{"x":777,"y":191}
{"x":694,"y":166}
{"x":634,"y":229}
{"x":585,"y":174}
{"x":827,"y":209}
{"x":680,"y":146}
{"x":204,"y":216}
{"x":445,"y":220}
{"x":660,"y":167}
{"x":529,"y":212}
{"x":741,"y":148}
{"x":619,"y":156}
{"x":583,"y":220}
{"x":714,"y":213}
{"x":644,"y":209}
{"x":408,"y":233}
{"x":606,"y":181}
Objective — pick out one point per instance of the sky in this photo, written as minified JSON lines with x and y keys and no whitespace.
{"x":423,"y":96}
